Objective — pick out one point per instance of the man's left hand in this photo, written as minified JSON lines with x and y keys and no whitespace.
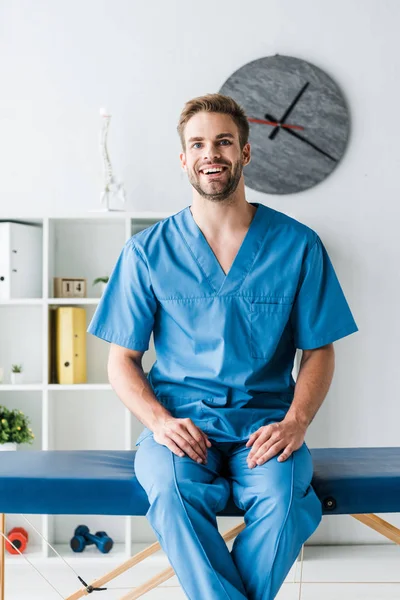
{"x":268,"y":440}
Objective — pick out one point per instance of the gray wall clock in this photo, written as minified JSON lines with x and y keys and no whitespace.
{"x":299,"y":122}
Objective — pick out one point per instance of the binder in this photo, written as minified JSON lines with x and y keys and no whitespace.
{"x":71,"y":344}
{"x":20,"y":260}
{"x":52,"y":362}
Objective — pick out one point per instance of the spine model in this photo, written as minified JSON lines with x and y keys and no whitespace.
{"x":113,"y":189}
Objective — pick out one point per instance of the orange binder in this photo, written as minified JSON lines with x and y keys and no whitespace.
{"x":71,"y":345}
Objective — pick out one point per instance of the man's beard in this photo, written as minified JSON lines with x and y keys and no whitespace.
{"x":224,"y":191}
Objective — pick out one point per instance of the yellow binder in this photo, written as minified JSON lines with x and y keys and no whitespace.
{"x":71,"y":344}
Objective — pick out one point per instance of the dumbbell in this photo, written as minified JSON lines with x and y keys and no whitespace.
{"x":19,"y":538}
{"x":83,"y":537}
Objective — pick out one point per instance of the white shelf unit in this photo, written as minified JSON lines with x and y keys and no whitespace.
{"x":81,"y":416}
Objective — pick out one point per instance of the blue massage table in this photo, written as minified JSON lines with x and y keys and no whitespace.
{"x":354,"y":481}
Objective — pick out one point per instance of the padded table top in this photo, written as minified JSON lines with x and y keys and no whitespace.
{"x":346,"y":480}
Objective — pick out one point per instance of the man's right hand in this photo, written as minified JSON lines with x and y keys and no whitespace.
{"x":182,"y":437}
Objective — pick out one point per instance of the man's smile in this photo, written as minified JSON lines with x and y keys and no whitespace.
{"x":213,"y":172}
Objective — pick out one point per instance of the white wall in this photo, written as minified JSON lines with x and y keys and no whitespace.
{"x":61,"y":61}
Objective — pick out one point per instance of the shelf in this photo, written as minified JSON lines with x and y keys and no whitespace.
{"x":21,"y":387}
{"x":22,"y":337}
{"x":33,"y":553}
{"x":84,"y":248}
{"x":91,"y":215}
{"x":80,"y":416}
{"x":52,"y":301}
{"x":38,"y":387}
{"x":79,"y":386}
{"x":89,"y":554}
{"x":78,"y":301}
{"x":95,"y":215}
{"x":31,"y":405}
{"x":21,"y":302}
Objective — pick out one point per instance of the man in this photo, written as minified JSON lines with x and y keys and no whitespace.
{"x":230,"y":290}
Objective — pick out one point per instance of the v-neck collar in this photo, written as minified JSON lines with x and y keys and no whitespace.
{"x":206,"y":259}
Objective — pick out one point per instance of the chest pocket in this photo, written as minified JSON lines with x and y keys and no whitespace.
{"x":267,"y":323}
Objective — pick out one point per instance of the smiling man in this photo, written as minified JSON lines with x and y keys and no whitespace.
{"x":230,"y":289}
{"x":219,"y":180}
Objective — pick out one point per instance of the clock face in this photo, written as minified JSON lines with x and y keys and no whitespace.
{"x":299,"y":123}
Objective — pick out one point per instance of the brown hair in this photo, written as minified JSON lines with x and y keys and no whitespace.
{"x":219,"y":104}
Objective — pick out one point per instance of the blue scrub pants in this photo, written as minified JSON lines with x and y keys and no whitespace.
{"x":281,"y":512}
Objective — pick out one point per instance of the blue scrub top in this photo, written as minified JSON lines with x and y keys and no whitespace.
{"x":226,"y":341}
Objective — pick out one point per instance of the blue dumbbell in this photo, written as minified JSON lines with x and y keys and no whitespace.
{"x":83,"y":537}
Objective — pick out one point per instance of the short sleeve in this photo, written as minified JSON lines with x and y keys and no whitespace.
{"x":125,"y":313}
{"x":320,"y":313}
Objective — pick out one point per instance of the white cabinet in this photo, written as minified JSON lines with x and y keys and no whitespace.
{"x":78,"y":416}
{"x":20,"y":260}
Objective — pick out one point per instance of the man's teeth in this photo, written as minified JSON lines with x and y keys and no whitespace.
{"x":207,"y":171}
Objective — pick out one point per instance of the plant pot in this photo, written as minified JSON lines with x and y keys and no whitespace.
{"x":17,"y":378}
{"x":8,"y":446}
{"x":102,"y":286}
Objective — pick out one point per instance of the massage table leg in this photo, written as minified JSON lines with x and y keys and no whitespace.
{"x":383,"y":527}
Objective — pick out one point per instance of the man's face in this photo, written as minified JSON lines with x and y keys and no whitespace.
{"x":212,"y":140}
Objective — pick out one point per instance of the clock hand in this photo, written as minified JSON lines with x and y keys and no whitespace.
{"x":288,"y":111}
{"x":273,"y":122}
{"x":295,"y":101}
{"x":271,"y":137}
{"x":273,"y":133}
{"x":300,"y":137}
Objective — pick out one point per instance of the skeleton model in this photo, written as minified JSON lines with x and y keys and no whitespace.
{"x":113,"y":189}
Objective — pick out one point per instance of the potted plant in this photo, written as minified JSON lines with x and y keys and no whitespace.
{"x":14,"y":429}
{"x":17,"y":375}
{"x":103,"y":282}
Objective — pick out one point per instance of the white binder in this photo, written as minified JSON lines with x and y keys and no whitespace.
{"x":20,"y":260}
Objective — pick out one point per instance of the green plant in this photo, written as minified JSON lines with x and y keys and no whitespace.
{"x":16,"y":368}
{"x":101,"y":279}
{"x":14,"y":427}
